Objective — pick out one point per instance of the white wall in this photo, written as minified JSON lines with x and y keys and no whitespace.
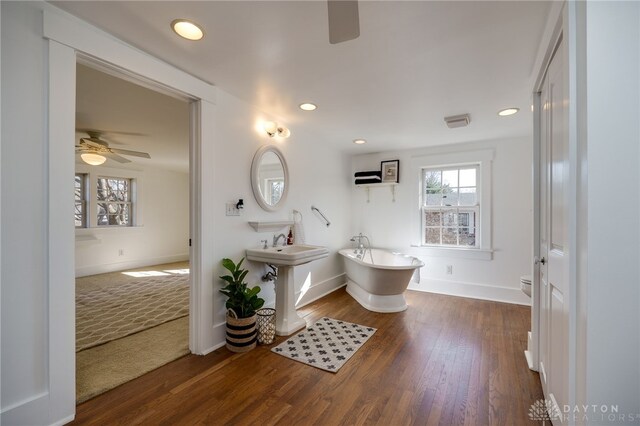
{"x":161,"y":231}
{"x":390,"y":225}
{"x":612,"y":236}
{"x":318,"y":177}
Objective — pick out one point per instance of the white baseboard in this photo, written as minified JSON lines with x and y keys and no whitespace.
{"x":218,"y":335}
{"x":120,"y":266}
{"x":321,"y":289}
{"x":32,"y":411}
{"x":472,"y":290}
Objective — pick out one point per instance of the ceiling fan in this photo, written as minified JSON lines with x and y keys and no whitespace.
{"x":344,"y":21}
{"x":93,"y":147}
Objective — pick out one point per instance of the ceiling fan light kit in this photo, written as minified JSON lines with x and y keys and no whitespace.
{"x":95,"y":151}
{"x":93,"y":159}
{"x":458,"y":121}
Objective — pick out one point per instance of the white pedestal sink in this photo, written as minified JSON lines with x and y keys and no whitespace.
{"x":286,"y":258}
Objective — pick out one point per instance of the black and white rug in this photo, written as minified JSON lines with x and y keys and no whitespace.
{"x":328,"y":344}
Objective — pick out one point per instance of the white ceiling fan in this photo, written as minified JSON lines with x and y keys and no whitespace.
{"x":344,"y":20}
{"x":93,"y":147}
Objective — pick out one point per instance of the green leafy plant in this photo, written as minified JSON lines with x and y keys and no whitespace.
{"x":242,"y":300}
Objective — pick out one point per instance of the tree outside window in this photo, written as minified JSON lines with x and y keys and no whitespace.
{"x":114,"y":201}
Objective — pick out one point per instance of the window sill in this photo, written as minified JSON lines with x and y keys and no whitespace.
{"x":84,"y":234}
{"x":455,"y":252}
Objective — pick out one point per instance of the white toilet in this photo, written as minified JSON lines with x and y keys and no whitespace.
{"x":525,"y":284}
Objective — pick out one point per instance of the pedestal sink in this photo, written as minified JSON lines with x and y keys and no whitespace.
{"x":286,"y":258}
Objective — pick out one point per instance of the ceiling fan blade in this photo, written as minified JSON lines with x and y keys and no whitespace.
{"x":132,"y":153}
{"x":108,"y":132}
{"x":344,"y":20}
{"x":116,"y":157}
{"x":92,"y":143}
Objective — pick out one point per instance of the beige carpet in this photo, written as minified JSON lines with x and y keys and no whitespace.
{"x":111,"y":306}
{"x":104,"y":367}
{"x":118,"y":361}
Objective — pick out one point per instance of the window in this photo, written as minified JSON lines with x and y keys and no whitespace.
{"x":80,"y":200}
{"x":450,"y":206}
{"x":114,"y":201}
{"x":275,"y":188}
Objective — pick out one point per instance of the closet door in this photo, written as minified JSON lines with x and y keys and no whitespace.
{"x":554,"y":262}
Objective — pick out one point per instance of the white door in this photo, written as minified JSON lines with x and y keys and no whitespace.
{"x":554,"y":262}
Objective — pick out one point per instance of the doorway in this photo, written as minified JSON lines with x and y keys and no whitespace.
{"x":71,"y":41}
{"x":132,"y":218}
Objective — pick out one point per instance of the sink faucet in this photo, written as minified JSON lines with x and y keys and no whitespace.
{"x":277,"y":238}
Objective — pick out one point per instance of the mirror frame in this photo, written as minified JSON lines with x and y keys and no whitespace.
{"x":255,"y":184}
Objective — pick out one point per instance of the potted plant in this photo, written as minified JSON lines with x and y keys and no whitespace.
{"x":242,"y":304}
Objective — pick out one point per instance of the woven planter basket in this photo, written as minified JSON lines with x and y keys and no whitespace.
{"x":241,"y":332}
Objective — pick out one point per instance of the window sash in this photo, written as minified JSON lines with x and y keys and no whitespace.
{"x":455,"y":190}
{"x":119,"y":197}
{"x":81,"y":201}
{"x":448,"y":230}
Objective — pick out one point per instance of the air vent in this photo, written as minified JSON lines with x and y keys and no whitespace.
{"x":458,"y":121}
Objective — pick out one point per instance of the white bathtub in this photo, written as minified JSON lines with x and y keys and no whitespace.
{"x":378,"y":281}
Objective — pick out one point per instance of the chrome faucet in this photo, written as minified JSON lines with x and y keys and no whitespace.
{"x":361,"y":249}
{"x":277,"y":238}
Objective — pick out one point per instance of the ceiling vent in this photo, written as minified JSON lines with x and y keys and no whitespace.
{"x":458,"y":121}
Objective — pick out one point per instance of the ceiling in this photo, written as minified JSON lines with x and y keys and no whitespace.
{"x":132,"y":117}
{"x":414,"y":63}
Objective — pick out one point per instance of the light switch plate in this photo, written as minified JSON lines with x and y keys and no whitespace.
{"x":232,"y":210}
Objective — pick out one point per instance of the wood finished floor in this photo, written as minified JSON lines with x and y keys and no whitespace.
{"x":445,"y":360}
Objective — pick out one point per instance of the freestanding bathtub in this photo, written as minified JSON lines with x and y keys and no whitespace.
{"x":378,"y":279}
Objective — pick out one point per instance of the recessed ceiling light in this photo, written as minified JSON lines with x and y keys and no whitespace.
{"x":508,"y":111}
{"x":307,"y":106}
{"x":359,"y":141}
{"x":187,"y":29}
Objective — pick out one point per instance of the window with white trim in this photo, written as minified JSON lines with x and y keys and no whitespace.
{"x":450,"y":206}
{"x":114,"y":201}
{"x":274,"y":188}
{"x":80,"y":188}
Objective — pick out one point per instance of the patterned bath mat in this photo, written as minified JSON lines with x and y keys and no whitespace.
{"x":328,"y":344}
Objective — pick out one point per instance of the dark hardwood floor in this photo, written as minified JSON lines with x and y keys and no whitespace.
{"x":445,"y":360}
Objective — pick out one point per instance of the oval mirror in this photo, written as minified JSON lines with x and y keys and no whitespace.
{"x":269,"y":178}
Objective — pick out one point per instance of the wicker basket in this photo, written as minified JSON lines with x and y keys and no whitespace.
{"x":266,"y":326}
{"x":241,"y":332}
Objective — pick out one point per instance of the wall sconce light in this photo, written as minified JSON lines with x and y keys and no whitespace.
{"x":272,"y":128}
{"x":93,"y":159}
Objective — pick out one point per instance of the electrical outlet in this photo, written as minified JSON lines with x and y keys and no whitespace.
{"x":449,"y":269}
{"x":120,"y":252}
{"x":232,"y":210}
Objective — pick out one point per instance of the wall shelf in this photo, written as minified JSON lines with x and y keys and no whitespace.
{"x":368,"y":186}
{"x":269,"y":226}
